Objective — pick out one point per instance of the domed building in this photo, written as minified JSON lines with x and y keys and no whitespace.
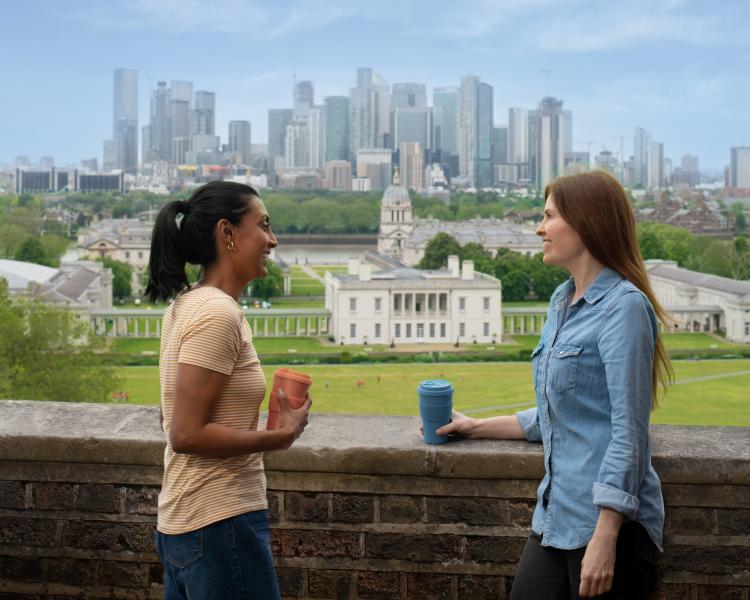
{"x":403,"y":237}
{"x":396,"y":220}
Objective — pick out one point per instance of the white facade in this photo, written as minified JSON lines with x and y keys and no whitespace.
{"x":408,"y":306}
{"x":696,"y":298}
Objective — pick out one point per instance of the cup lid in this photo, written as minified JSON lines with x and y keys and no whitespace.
{"x":435,"y":386}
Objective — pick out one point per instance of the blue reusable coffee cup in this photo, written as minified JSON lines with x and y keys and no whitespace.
{"x":435,"y":408}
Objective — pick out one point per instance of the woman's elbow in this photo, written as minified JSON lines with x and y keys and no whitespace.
{"x":181,"y":442}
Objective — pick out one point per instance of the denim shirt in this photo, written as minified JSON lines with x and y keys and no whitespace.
{"x":592,"y":376}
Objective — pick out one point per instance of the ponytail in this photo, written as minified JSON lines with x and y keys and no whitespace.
{"x":184,"y":232}
{"x":166,"y":263}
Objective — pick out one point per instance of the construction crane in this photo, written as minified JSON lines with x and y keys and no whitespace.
{"x":588,"y":148}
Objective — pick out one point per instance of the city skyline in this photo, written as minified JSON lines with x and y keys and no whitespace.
{"x":673,"y":68}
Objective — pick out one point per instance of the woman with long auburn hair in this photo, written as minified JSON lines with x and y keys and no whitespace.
{"x":598,"y":521}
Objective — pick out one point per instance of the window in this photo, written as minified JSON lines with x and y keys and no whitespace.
{"x":462,"y":329}
{"x":377,"y":330}
{"x":127,"y":255}
{"x":486,"y":329}
{"x":140,"y":255}
{"x":432,"y":330}
{"x":747,"y":328}
{"x":352,"y":305}
{"x":486,"y":303}
{"x":442,"y":330}
{"x":398,"y":330}
{"x":397,"y":302}
{"x":352,"y":330}
{"x":420,"y":330}
{"x":378,"y":304}
{"x":462,"y":303}
{"x":408,"y":330}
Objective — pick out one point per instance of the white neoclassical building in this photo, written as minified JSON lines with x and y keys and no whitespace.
{"x":405,"y":237}
{"x":702,"y":302}
{"x":402,"y":305}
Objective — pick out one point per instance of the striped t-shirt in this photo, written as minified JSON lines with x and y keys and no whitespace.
{"x":206,"y":327}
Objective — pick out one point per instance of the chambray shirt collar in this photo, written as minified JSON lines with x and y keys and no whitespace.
{"x":604,"y":282}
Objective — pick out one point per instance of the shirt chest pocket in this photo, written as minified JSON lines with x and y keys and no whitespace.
{"x":564,"y":364}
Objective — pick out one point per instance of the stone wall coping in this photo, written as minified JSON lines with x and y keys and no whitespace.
{"x":356,"y":444}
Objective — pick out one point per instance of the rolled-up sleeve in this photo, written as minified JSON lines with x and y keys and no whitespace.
{"x":529,"y":421}
{"x":626,"y":346}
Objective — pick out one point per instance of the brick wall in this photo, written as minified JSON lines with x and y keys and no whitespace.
{"x":360,"y":508}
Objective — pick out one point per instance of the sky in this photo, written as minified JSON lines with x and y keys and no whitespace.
{"x":677,"y":68}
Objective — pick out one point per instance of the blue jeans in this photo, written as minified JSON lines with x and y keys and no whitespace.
{"x":227,"y":560}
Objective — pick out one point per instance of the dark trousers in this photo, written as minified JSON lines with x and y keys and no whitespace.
{"x":546,"y":573}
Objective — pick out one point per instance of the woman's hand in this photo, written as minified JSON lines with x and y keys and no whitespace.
{"x":460,"y":425}
{"x":598,"y":564}
{"x":293,"y":420}
{"x":598,"y":567}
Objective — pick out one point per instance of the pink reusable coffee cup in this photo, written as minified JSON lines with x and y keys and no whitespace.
{"x":295,"y":385}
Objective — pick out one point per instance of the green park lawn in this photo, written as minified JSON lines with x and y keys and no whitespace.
{"x":304,"y":285}
{"x":705,"y":393}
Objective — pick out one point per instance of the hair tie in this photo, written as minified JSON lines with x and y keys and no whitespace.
{"x":178,"y":220}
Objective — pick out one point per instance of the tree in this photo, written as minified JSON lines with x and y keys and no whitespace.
{"x":31,"y":250}
{"x":49,"y":353}
{"x":740,"y":222}
{"x":482,"y":260}
{"x":122,"y":277}
{"x":438,"y":250}
{"x":271,"y":286}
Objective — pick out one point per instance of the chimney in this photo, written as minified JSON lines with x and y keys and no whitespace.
{"x":467,"y":271}
{"x":365,"y":272}
{"x":453,"y":265}
{"x":353,"y":266}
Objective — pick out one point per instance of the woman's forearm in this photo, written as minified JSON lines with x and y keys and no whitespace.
{"x":213,"y":440}
{"x":504,"y":427}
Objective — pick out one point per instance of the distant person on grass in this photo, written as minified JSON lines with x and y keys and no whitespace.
{"x":598,"y":522}
{"x":212,"y":530}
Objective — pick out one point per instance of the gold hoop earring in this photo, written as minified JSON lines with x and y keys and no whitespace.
{"x":230,"y":246}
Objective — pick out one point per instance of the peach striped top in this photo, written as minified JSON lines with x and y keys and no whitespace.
{"x":206,"y":327}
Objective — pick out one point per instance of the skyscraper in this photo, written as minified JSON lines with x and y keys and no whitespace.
{"x":304,"y":99}
{"x":161,"y":135}
{"x":125,"y":120}
{"x":547,"y":141}
{"x":445,"y":103}
{"x":239,"y":140}
{"x":297,"y":145}
{"x":408,"y":95}
{"x":475,"y":132}
{"x":204,"y":114}
{"x":739,"y":168}
{"x":278,"y":120}
{"x":412,"y":125}
{"x":641,"y":139}
{"x":411,"y":165}
{"x":518,"y":135}
{"x":316,"y":123}
{"x":656,"y":166}
{"x":499,"y":146}
{"x":337,"y":128}
{"x":181,"y":90}
{"x":369,"y":123}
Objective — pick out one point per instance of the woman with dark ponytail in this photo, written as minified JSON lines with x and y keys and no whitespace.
{"x":212,"y":531}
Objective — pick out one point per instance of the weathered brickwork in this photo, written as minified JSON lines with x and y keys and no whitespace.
{"x":430,"y":529}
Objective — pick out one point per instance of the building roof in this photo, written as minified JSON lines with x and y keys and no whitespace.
{"x":125,"y":233}
{"x":20,"y":274}
{"x":704,"y":280}
{"x":396,"y":195}
{"x":492,"y":233}
{"x":402,"y":276}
